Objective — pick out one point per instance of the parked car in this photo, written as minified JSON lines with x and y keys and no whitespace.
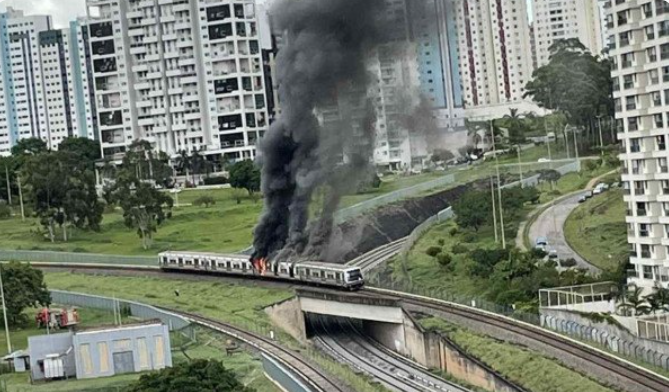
{"x":543,"y":160}
{"x":552,"y":254}
{"x":541,"y":243}
{"x":583,"y":199}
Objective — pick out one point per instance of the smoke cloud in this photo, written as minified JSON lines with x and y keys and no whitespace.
{"x":326,"y":43}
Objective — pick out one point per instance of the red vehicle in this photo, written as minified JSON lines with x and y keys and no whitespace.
{"x":57,"y":318}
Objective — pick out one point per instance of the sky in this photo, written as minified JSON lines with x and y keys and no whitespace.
{"x":62,"y":11}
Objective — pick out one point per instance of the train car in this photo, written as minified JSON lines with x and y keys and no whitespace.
{"x":327,"y":274}
{"x":322,"y":274}
{"x":206,"y":262}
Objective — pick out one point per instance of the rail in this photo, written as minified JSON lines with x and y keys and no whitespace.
{"x":296,"y":369}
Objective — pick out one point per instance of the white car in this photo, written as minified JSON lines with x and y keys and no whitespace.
{"x":544,"y":160}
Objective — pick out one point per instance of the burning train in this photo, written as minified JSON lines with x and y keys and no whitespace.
{"x":309,"y":272}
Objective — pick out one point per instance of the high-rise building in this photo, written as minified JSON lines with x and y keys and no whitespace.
{"x":184,"y":75}
{"x":22,"y":102}
{"x":565,"y":19}
{"x":45,"y":89}
{"x":433,"y":29}
{"x":640,"y":74}
{"x":495,"y":51}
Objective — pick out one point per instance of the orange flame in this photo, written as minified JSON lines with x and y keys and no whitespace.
{"x":260,"y":265}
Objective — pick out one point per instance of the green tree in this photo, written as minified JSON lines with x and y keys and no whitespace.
{"x":84,"y":148}
{"x":144,"y":208}
{"x":473,"y":209}
{"x":633,"y":303}
{"x":61,"y":187}
{"x":551,"y":176}
{"x":24,"y":287}
{"x":575,"y":83}
{"x":29,"y":146}
{"x":441,"y":155}
{"x":245,"y":175}
{"x":199,"y":375}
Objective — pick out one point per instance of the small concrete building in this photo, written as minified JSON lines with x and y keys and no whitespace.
{"x":100,"y":352}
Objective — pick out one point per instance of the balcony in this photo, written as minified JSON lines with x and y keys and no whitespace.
{"x":635,"y":148}
{"x":640,"y":212}
{"x":645,"y":254}
{"x":664,"y":169}
{"x":632,"y":273}
{"x":630,"y":106}
{"x":639,"y":191}
{"x":627,"y":64}
{"x":636,"y":170}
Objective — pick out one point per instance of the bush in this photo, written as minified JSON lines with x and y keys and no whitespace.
{"x":216,"y":181}
{"x":459,"y":249}
{"x":5,"y":211}
{"x":538,"y":253}
{"x":441,"y":242}
{"x":469,"y":238}
{"x":453,"y":232}
{"x":206,"y":201}
{"x":433,"y":251}
{"x":571,"y":262}
{"x":444,"y":259}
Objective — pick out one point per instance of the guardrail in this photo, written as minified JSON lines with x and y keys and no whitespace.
{"x":282,"y":376}
{"x":79,"y":258}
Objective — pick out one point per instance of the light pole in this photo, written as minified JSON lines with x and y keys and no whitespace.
{"x":520,"y":168}
{"x":4,"y":314}
{"x":23,"y":214}
{"x":548,"y":144}
{"x":494,"y":210}
{"x":9,"y":186}
{"x":499,"y":184}
{"x":601,"y":139}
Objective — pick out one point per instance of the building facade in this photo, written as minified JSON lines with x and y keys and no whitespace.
{"x":184,"y":75}
{"x":564,"y":19}
{"x":495,"y":51}
{"x":640,"y":73}
{"x":433,"y":29}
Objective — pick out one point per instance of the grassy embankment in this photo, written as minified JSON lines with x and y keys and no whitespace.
{"x":526,"y":368}
{"x":224,"y":227}
{"x":236,"y":304}
{"x":597,"y":230}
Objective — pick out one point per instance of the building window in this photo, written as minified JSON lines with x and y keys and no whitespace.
{"x":647,"y":272}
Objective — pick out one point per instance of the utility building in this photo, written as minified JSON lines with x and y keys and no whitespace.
{"x":100,"y":352}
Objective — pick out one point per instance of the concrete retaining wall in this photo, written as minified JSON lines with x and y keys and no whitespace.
{"x":288,"y":316}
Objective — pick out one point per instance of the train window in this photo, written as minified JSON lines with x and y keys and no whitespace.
{"x":181,"y":261}
{"x":284,"y":271}
{"x":322,"y":274}
{"x":307,"y":272}
{"x":227,"y":264}
{"x":196,"y":261}
{"x":173,"y":261}
{"x":338,"y":275}
{"x":189,"y":262}
{"x":330,"y":276}
{"x":164,"y":260}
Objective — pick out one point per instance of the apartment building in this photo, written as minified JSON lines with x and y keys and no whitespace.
{"x":640,"y":30}
{"x":495,"y":51}
{"x":433,"y":29}
{"x":22,"y":105}
{"x":45,"y":89}
{"x":565,"y":19}
{"x":184,"y":75}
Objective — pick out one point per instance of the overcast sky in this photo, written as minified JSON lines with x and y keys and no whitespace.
{"x":62,"y":11}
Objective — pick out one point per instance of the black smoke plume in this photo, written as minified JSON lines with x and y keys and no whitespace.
{"x":325,"y":47}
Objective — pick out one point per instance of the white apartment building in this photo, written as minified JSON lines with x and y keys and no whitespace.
{"x":22,"y":99}
{"x":182,"y":74}
{"x":641,"y":92}
{"x":564,"y":19}
{"x":495,"y":51}
{"x":68,"y":96}
{"x":45,"y":89}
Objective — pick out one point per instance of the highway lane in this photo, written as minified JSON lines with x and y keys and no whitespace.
{"x":550,"y":224}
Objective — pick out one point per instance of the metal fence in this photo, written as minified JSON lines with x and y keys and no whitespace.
{"x":613,"y":343}
{"x":360,"y":208}
{"x":135,"y":309}
{"x":282,"y":376}
{"x":78,"y":258}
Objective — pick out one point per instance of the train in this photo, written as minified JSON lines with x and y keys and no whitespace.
{"x":308,"y":272}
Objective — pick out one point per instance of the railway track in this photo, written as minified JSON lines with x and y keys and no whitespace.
{"x":343,"y":341}
{"x":310,"y":375}
{"x":618,"y":368}
{"x":615,"y":367}
{"x":378,"y":256}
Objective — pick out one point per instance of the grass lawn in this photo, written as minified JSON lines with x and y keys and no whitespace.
{"x":208,"y":345}
{"x":528,"y":369}
{"x":233,"y":303}
{"x":597,"y":230}
{"x":425,"y":271}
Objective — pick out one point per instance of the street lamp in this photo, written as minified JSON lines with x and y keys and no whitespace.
{"x":520,"y":167}
{"x":499,"y":183}
{"x":601,"y":139}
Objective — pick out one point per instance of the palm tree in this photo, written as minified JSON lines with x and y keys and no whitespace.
{"x":197,"y":164}
{"x":659,"y":300}
{"x":634,"y":303}
{"x":184,"y":163}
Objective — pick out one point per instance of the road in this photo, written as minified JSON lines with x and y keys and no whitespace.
{"x":550,"y":225}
